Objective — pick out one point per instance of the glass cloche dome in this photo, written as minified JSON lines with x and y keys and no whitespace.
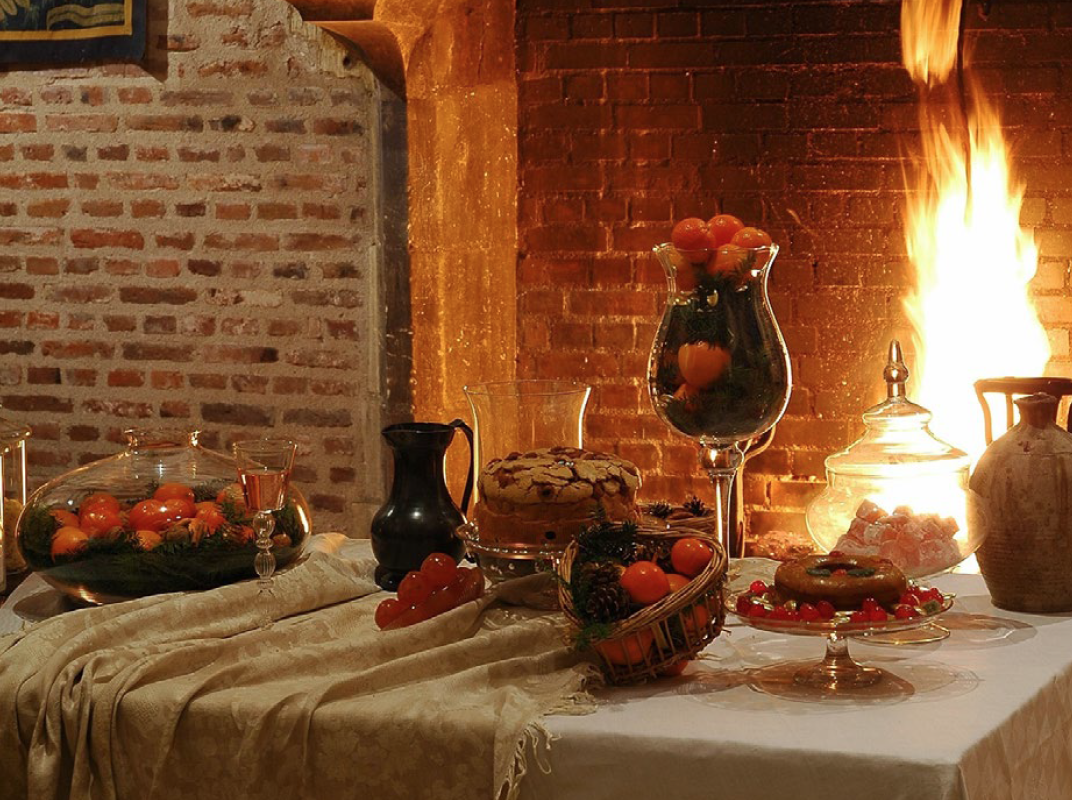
{"x":166,"y":515}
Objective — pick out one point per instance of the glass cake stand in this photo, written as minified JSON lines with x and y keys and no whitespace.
{"x":838,"y":672}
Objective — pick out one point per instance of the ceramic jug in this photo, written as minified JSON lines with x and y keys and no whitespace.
{"x":1021,"y":497}
{"x":419,"y":517}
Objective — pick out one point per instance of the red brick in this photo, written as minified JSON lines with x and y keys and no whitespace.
{"x":207,"y":381}
{"x":77,"y":349}
{"x":103,"y":237}
{"x":143,"y":209}
{"x":17,"y":123}
{"x":174,"y":123}
{"x":126,"y":378}
{"x":235,"y":414}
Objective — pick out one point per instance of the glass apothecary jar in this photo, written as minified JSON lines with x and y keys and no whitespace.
{"x":13,"y":489}
{"x":166,"y":515}
{"x":898,"y":491}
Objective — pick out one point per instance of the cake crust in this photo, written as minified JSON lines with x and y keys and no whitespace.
{"x":549,"y":495}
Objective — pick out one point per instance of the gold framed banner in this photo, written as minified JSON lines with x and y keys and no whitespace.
{"x":71,"y":31}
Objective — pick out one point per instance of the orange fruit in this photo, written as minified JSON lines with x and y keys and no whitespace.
{"x":727,"y":260}
{"x":695,"y":618}
{"x":702,"y":364}
{"x":231,"y":493}
{"x":690,"y":555}
{"x":99,"y":499}
{"x":98,"y":519}
{"x":645,"y":582}
{"x":677,"y":582}
{"x":172,"y":491}
{"x":690,"y":237}
{"x":722,"y":228}
{"x":633,"y":649}
{"x":68,"y":541}
{"x":751,"y":237}
{"x":65,"y":518}
{"x":148,"y":539}
{"x":689,"y":395}
{"x":684,"y":271}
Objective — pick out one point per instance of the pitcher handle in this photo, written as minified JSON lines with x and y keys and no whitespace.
{"x":468,"y":491}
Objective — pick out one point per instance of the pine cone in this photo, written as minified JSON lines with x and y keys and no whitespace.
{"x":660,"y":509}
{"x":604,"y":598}
{"x":658,"y":552}
{"x":607,"y":604}
{"x":695,"y":506}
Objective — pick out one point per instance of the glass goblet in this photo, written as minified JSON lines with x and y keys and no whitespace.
{"x":264,"y":467}
{"x":719,"y":369}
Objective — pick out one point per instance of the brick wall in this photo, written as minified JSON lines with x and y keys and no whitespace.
{"x":195,"y":241}
{"x":794,"y":116}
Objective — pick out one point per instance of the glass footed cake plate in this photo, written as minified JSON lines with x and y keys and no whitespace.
{"x":838,"y":672}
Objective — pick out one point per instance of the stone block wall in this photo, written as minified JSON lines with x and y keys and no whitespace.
{"x":196,"y":241}
{"x":795,"y":117}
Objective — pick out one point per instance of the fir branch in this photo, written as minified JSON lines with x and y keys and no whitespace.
{"x":592,"y":633}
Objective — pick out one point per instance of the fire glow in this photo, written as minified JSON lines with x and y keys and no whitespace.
{"x":970,"y":308}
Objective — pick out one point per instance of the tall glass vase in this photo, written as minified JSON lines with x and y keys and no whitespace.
{"x":519,"y":417}
{"x":719,"y":371}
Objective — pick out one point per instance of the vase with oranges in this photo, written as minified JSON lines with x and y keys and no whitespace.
{"x":719,"y":369}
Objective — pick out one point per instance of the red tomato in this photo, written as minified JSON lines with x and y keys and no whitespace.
{"x":472,"y":581}
{"x":414,"y":588}
{"x":152,"y":515}
{"x":98,"y":519}
{"x":751,"y":237}
{"x":439,"y":569}
{"x":170,"y":491}
{"x":99,"y":498}
{"x":467,"y":585}
{"x":210,"y":514}
{"x":722,"y":228}
{"x":702,"y":364}
{"x":387,"y":611}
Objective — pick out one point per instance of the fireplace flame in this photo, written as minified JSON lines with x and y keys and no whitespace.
{"x":929,"y":33}
{"x":972,"y":315}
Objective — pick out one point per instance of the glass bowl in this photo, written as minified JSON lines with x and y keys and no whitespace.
{"x":166,"y":515}
{"x":898,"y":491}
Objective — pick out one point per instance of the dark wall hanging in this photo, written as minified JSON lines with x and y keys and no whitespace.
{"x":71,"y":31}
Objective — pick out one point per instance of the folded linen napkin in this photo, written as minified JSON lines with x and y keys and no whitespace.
{"x":186,"y":696}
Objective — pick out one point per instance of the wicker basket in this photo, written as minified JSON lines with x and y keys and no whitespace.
{"x":658,"y":636}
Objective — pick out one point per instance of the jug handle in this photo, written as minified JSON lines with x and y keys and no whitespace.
{"x":468,"y":491}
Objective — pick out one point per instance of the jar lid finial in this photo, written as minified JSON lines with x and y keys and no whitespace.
{"x":896,"y":372}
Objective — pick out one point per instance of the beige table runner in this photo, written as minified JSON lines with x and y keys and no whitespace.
{"x":185,"y":696}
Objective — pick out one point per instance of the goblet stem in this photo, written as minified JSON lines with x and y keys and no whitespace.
{"x":264,"y":563}
{"x":722,"y":461}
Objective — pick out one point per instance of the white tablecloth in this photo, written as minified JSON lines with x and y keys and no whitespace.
{"x":984,"y":715}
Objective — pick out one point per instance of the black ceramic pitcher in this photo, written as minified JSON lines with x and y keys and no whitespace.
{"x":420,"y":516}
